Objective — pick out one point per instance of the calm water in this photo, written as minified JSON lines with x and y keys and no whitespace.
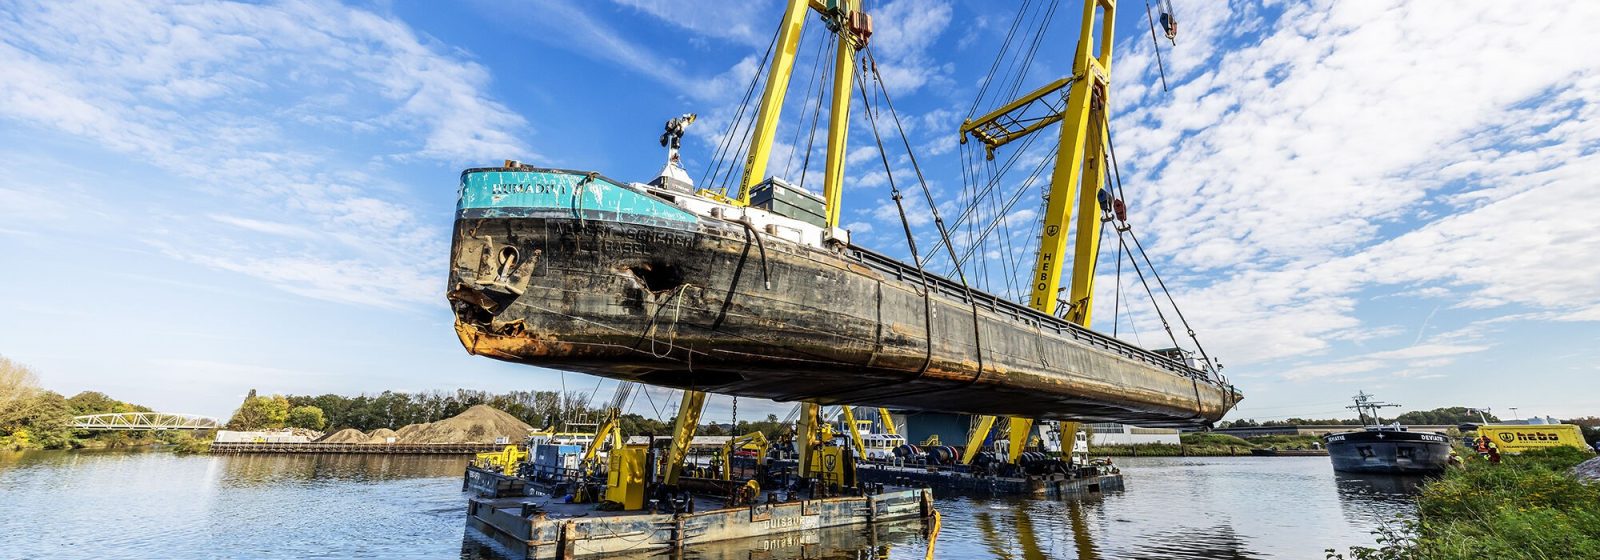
{"x":156,"y":505}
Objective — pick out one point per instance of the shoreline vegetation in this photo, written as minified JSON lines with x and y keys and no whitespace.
{"x":1206,"y":445}
{"x":1529,"y":506}
{"x":34,"y":418}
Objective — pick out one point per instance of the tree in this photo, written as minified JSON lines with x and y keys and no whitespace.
{"x":1590,"y":426}
{"x":50,"y":420}
{"x":18,"y":388}
{"x":1447,"y":416}
{"x":260,"y":413}
{"x":95,"y":402}
{"x":309,"y":417}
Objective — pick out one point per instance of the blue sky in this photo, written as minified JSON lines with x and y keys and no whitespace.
{"x":197,"y":199}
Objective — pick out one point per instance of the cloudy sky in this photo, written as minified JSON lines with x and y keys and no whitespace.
{"x":201,"y":198}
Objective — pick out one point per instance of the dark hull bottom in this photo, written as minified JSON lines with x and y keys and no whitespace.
{"x":1373,"y":456}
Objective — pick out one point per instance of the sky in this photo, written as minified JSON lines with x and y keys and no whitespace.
{"x":201,"y":198}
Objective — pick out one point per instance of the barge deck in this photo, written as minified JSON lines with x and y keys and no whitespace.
{"x":538,"y":527}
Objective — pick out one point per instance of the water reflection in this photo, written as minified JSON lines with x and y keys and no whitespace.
{"x":251,"y":470}
{"x":897,"y":539}
{"x":149,"y":505}
{"x":1377,"y":499}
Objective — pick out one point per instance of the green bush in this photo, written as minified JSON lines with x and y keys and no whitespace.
{"x":1527,"y":507}
{"x":1204,"y":438}
{"x":1284,"y":442}
{"x":187,"y":444}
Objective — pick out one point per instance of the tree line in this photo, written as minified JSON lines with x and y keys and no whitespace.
{"x":393,"y":410}
{"x":34,"y":418}
{"x":1446,"y":416}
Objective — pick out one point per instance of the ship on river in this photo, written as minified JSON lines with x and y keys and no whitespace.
{"x":1386,"y":449}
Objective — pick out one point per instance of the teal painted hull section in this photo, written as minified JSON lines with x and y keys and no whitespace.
{"x":553,"y":193}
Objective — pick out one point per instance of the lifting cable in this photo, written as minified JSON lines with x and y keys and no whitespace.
{"x":1038,"y":38}
{"x":933,"y":207}
{"x":816,"y":115}
{"x":1124,"y":228}
{"x":722,"y":155}
{"x":1017,"y":61}
{"x":911,"y":240}
{"x":999,"y":217}
{"x":992,"y":183}
{"x":1156,"y":44}
{"x":1004,"y":46}
{"x":816,"y":65}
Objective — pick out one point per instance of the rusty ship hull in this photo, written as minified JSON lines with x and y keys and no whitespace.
{"x":573,"y":271}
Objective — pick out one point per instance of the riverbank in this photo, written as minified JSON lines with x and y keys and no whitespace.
{"x":1206,"y":445}
{"x":1529,"y":506}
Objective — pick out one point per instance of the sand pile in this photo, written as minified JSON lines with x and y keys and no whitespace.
{"x":347,"y":435}
{"x":410,"y":429}
{"x":479,"y":424}
{"x":381,"y":435}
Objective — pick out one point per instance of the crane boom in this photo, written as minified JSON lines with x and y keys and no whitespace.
{"x":852,"y":28}
{"x":1080,"y":156}
{"x":1077,"y":177}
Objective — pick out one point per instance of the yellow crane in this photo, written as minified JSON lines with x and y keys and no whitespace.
{"x":852,"y":28}
{"x":1079,"y":168}
{"x":1077,"y":177}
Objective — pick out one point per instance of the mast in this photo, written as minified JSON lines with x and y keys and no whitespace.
{"x":839,"y":110}
{"x":1365,"y":405}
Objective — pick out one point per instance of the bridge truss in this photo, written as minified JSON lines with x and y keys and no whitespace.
{"x":145,"y":421}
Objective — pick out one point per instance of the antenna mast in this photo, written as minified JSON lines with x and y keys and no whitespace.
{"x":1365,"y":404}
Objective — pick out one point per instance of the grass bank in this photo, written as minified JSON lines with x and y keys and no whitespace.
{"x":1529,"y":506}
{"x":1205,"y":445}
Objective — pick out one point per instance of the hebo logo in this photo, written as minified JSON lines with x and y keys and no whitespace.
{"x":1508,"y":437}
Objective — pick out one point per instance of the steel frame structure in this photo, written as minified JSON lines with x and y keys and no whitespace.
{"x":145,"y":421}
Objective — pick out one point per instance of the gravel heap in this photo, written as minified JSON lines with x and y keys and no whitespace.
{"x":1588,"y":470}
{"x":347,"y":435}
{"x":479,"y":424}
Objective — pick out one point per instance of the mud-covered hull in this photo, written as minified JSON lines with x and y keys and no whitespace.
{"x":651,"y":295}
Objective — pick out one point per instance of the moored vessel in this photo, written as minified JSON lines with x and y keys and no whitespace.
{"x":1386,"y":449}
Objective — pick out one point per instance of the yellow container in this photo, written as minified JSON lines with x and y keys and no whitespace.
{"x":1518,"y":438}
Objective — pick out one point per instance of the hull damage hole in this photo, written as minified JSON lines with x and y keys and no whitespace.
{"x":658,"y":278}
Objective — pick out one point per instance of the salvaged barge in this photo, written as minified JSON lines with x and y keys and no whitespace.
{"x":576,"y":271}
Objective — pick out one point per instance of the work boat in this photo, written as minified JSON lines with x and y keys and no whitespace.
{"x":759,"y":293}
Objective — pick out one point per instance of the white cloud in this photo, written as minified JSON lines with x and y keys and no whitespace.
{"x":904,"y":32}
{"x":749,"y":23}
{"x":251,"y":106}
{"x":1288,"y":175}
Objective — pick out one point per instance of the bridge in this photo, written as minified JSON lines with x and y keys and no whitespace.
{"x":145,"y":421}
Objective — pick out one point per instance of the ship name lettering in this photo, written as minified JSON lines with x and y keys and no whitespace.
{"x":528,"y":188}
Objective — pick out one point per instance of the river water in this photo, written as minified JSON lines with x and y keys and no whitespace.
{"x":101,"y":504}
